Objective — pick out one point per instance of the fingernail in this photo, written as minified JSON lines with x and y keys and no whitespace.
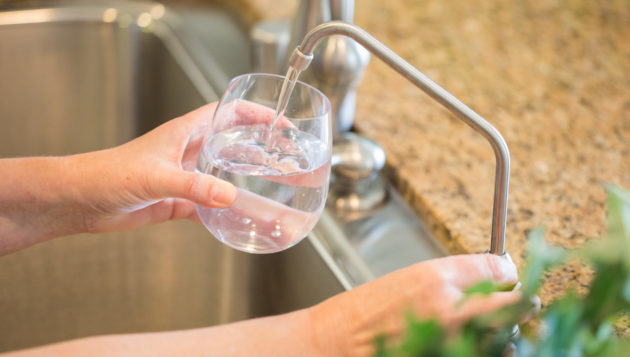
{"x":222,"y":194}
{"x":507,"y":267}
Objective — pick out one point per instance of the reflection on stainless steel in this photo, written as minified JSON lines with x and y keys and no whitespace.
{"x":83,"y":78}
{"x":502,"y":155}
{"x":356,"y":185}
{"x":342,"y":10}
{"x":269,"y":40}
{"x":356,"y":158}
{"x":375,"y":242}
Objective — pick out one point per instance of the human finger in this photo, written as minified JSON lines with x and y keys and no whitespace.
{"x":202,"y":189}
{"x":465,"y":270}
{"x":201,"y":114}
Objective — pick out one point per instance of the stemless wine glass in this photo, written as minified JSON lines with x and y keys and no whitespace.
{"x":281,"y":172}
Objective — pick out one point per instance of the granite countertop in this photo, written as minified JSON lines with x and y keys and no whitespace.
{"x":553,"y":77}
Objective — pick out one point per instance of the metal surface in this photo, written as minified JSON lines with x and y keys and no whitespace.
{"x":374,"y":242}
{"x":342,"y":10}
{"x":338,"y":64}
{"x":356,"y":185}
{"x":474,"y":120}
{"x":356,"y":158}
{"x":337,"y":68}
{"x":269,"y":40}
{"x":309,"y":14}
{"x":83,"y":78}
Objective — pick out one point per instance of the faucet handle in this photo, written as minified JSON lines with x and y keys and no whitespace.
{"x":356,"y":157}
{"x":356,"y":187}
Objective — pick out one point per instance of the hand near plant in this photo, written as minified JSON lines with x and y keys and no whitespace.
{"x":574,"y":325}
{"x":349,"y":323}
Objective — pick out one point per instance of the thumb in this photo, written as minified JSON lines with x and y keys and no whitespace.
{"x":203,"y":189}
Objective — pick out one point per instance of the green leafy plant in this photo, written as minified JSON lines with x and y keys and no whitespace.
{"x":573,"y":325}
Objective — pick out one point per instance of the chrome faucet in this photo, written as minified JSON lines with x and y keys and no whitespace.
{"x":303,"y":55}
{"x":338,"y":63}
{"x":336,"y":69}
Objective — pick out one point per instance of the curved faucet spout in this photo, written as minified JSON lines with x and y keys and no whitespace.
{"x":301,"y":58}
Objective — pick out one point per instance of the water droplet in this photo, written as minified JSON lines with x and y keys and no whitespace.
{"x":276,"y":234}
{"x":252,"y":233}
{"x":247,"y":220}
{"x":277,"y":227}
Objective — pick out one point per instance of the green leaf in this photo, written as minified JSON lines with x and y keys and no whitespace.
{"x":618,"y":212}
{"x":606,"y":296}
{"x":462,"y":346}
{"x":616,"y":244}
{"x":562,"y":321}
{"x":381,"y":351}
{"x":618,"y":216}
{"x":484,"y":288}
{"x":424,"y":338}
{"x":487,"y":287}
{"x":541,"y":257}
{"x":621,"y":348}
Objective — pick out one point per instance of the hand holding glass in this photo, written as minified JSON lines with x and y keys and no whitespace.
{"x":281,"y":172}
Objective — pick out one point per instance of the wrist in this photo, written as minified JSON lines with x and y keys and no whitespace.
{"x":59,"y":183}
{"x":327,"y":329}
{"x":89,"y":183}
{"x":35,"y":201}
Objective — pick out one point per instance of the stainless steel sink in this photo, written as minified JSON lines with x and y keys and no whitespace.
{"x":83,"y":77}
{"x":78,"y":79}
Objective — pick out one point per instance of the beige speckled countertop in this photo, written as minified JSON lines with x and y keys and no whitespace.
{"x":552,"y":76}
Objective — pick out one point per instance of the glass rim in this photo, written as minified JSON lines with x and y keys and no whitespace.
{"x":328,"y":106}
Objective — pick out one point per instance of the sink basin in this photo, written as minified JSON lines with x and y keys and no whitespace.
{"x":77,"y":78}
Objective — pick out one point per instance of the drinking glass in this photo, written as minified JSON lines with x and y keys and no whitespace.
{"x":281,"y":170}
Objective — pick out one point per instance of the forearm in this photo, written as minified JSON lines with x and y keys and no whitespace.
{"x":35,"y":201}
{"x":283,"y":335}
